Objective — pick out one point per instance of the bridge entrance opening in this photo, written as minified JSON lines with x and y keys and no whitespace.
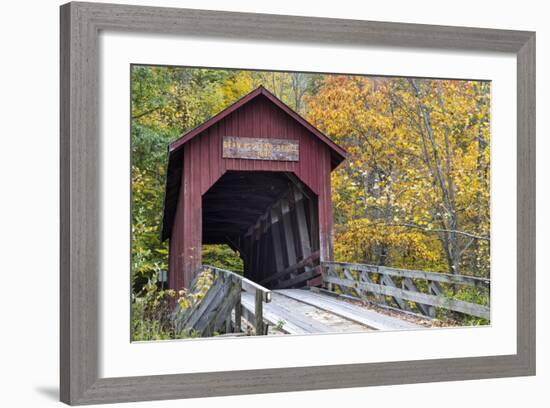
{"x":271,"y":219}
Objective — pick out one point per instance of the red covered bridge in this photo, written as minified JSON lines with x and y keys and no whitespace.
{"x":256,"y":177}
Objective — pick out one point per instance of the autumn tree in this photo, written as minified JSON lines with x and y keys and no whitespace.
{"x":415,"y":190}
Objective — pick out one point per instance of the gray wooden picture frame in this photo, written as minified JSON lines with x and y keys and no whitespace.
{"x":80,"y":192}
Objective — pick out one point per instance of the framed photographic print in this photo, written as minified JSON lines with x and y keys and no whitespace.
{"x":270,"y":203}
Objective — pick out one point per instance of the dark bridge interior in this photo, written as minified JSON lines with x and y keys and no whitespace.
{"x":271,"y":219}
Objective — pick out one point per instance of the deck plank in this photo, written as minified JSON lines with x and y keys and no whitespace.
{"x":300,"y":317}
{"x":274,"y":314}
{"x":358,"y":314}
{"x":270,"y":315}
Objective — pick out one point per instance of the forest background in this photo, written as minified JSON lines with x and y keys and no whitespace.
{"x":413,"y":193}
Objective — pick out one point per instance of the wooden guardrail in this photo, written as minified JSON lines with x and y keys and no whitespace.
{"x":260,"y":294}
{"x":220,"y":310}
{"x":377,"y":280}
{"x":211,"y":313}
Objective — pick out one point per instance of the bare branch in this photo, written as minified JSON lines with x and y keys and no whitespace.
{"x":439,"y":230}
{"x":147,"y":112}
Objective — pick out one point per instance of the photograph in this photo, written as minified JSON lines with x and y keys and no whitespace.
{"x":293,"y":203}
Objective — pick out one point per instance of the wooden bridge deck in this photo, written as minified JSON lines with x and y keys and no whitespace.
{"x":328,"y":309}
{"x":301,"y":311}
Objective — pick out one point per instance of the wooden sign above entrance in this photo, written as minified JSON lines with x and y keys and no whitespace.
{"x":253,"y":148}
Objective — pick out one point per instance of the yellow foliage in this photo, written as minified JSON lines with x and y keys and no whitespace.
{"x":418,"y":167}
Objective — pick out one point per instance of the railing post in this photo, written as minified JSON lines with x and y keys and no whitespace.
{"x":327,"y":272}
{"x":238,"y":316}
{"x":259,"y":314}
